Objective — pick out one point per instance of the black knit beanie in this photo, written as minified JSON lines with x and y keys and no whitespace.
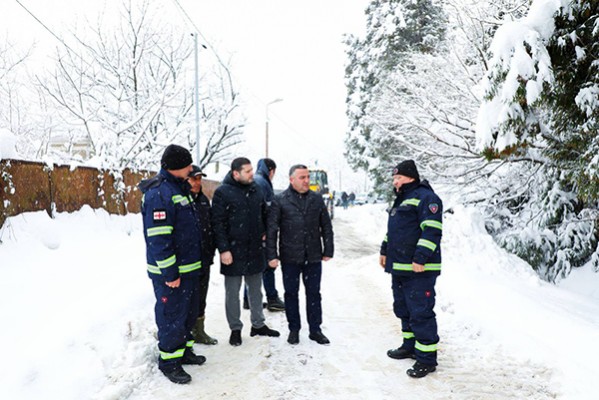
{"x":175,"y":157}
{"x":407,"y":168}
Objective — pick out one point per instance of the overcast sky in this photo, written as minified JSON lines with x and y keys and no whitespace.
{"x":278,"y":49}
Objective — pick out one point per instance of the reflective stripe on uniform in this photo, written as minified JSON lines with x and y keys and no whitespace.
{"x":180,"y":199}
{"x":160,"y":230}
{"x":425,"y":348}
{"x":190,"y":267}
{"x":385,"y":240}
{"x":408,"y":335}
{"x":410,"y":202}
{"x":153,"y":269}
{"x":168,"y":262}
{"x":408,"y":267}
{"x":427,"y":243}
{"x":431,"y":223}
{"x":190,"y":343}
{"x":175,"y":354}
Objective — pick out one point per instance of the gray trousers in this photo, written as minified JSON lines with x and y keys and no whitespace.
{"x":232,"y":306}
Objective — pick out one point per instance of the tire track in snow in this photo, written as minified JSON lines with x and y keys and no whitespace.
{"x":469,"y":368}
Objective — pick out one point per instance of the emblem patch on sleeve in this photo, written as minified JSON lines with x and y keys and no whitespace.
{"x":159,"y":215}
{"x":434,"y":207}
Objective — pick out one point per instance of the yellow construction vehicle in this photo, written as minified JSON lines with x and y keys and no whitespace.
{"x":319,"y":183}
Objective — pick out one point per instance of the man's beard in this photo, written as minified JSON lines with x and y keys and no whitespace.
{"x":246,"y":182}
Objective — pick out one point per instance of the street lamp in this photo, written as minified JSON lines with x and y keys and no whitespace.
{"x":268,"y":104}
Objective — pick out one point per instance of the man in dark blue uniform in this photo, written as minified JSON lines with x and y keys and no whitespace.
{"x":411,"y":252}
{"x":173,"y":253}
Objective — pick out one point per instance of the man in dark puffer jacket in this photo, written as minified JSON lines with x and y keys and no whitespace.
{"x":298,"y":221}
{"x":239,"y":225}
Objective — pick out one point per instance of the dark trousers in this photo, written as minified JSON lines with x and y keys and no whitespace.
{"x":268,"y":280}
{"x":413,"y":303}
{"x":204,"y":279}
{"x":311,"y":274}
{"x":176,"y":312}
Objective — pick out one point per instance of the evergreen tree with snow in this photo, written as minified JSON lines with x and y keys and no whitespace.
{"x":540,"y":112}
{"x":395,"y":29}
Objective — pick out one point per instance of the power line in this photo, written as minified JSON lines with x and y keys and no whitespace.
{"x":46,"y":27}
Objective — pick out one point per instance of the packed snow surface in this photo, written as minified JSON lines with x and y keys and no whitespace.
{"x":77,"y":321}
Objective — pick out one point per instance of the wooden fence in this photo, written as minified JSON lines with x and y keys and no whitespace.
{"x":33,"y":186}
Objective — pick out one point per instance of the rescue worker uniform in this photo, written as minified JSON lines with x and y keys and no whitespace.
{"x":173,"y":238}
{"x":414,"y":236}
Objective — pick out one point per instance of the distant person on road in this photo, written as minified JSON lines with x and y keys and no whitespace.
{"x":174,"y":260}
{"x":239,"y":225}
{"x":265,"y":173}
{"x":300,"y":235}
{"x":411,"y":253}
{"x":352,"y":199}
{"x":202,"y":209}
{"x":344,"y":200}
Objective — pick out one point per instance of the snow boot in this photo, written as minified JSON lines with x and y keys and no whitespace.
{"x":190,"y":358}
{"x":264,"y":331}
{"x":319,"y":338}
{"x":235,"y":338}
{"x":293,"y":337}
{"x":199,"y":334}
{"x":275,"y":304}
{"x":177,"y":375}
{"x":400,"y":353}
{"x":420,"y":370}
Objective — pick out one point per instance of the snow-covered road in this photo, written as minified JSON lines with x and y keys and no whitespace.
{"x":80,"y":322}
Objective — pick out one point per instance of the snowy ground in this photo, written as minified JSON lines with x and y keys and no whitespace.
{"x":77,"y":321}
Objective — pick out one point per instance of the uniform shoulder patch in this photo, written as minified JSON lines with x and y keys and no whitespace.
{"x":159,"y":215}
{"x":434,"y":207}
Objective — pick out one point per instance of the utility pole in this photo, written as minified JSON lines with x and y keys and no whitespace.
{"x":196,"y":98}
{"x":266,"y":132}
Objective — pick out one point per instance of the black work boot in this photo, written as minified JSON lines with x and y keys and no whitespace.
{"x":319,"y":338}
{"x":293,"y":337}
{"x":275,"y":304}
{"x":177,"y":375}
{"x":235,"y":338}
{"x":420,"y":370}
{"x":190,"y":358}
{"x":264,"y":331}
{"x":401,"y":352}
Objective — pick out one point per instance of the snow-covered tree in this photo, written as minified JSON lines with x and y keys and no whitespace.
{"x":394,"y":29}
{"x":424,"y":105}
{"x":541,"y":107}
{"x":128,"y":91}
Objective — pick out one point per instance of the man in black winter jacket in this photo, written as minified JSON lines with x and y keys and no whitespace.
{"x":239,"y":225}
{"x":201,"y":204}
{"x":298,"y":221}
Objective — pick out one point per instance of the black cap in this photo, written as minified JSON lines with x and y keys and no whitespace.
{"x":407,"y":168}
{"x":175,"y":157}
{"x":195,"y":171}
